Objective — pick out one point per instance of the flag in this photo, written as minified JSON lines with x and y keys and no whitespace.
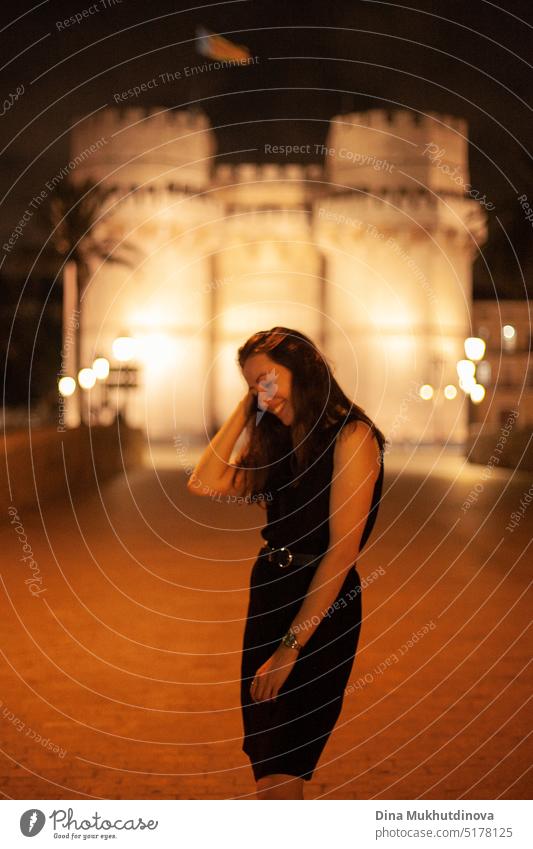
{"x":216,"y":47}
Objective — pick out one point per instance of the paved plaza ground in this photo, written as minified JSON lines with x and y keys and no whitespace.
{"x":120,"y":679}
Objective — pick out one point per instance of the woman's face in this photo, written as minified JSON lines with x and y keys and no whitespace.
{"x":271,"y":383}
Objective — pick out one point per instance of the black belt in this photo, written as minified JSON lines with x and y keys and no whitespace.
{"x":284,"y":557}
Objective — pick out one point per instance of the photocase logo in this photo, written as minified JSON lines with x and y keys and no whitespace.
{"x":32,"y":822}
{"x":266,"y":393}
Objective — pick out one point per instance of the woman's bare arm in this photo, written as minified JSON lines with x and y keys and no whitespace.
{"x":213,"y":472}
{"x":356,"y":468}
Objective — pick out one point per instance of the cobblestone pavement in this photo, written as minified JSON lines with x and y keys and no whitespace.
{"x":119,"y":677}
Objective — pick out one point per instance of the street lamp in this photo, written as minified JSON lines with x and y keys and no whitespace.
{"x":450,"y":392}
{"x":101,"y":368}
{"x":124,"y":376}
{"x":124,"y":348}
{"x":508,"y":337}
{"x":466,"y":369}
{"x":474,"y":348}
{"x":86,"y":378}
{"x":477,"y":393}
{"x":466,"y":383}
{"x":426,"y":391}
{"x":66,"y":386}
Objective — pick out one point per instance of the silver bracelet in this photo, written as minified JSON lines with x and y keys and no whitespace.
{"x":289,"y":639}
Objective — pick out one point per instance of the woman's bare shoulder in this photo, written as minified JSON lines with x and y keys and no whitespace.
{"x":357,"y":436}
{"x":355,"y":429}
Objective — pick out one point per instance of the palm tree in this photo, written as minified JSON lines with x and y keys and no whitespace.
{"x":75,"y":211}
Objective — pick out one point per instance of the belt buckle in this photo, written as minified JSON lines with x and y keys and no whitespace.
{"x":289,"y":552}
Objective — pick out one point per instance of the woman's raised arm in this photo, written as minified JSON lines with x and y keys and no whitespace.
{"x":213,"y":472}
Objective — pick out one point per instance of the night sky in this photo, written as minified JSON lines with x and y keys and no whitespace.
{"x":315,"y":60}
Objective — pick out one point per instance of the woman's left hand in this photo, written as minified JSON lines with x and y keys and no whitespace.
{"x":271,"y":676}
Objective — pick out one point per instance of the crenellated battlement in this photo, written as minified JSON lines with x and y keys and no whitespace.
{"x":249,"y":172}
{"x":394,"y":199}
{"x":167,"y":207}
{"x":267,"y":184}
{"x":138,"y":144}
{"x":120,"y":118}
{"x":399,"y":149}
{"x":406,"y":120}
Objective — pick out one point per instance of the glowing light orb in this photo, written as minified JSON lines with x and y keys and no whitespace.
{"x":124,"y":348}
{"x":426,"y":391}
{"x":66,"y":386}
{"x":474,"y":348}
{"x":466,"y":369}
{"x":466,"y":383}
{"x":101,"y":368}
{"x":86,"y":378}
{"x":477,"y":393}
{"x":450,"y":391}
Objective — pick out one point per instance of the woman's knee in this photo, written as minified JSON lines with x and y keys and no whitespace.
{"x":280,"y":786}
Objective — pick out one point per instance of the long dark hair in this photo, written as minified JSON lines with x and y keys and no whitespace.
{"x":318,"y":402}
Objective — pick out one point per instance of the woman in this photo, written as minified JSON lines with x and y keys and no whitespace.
{"x":315,"y":460}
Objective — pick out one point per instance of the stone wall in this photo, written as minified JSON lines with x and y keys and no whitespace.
{"x":44,"y":464}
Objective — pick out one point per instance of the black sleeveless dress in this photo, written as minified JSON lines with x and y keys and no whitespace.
{"x":288,"y":735}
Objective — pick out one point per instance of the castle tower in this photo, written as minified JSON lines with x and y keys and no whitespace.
{"x":156,"y":147}
{"x":400,"y":232}
{"x":268,"y":266}
{"x":371,"y":256}
{"x":159,"y":163}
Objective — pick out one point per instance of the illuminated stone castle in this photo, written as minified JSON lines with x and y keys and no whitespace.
{"x":370,"y":254}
